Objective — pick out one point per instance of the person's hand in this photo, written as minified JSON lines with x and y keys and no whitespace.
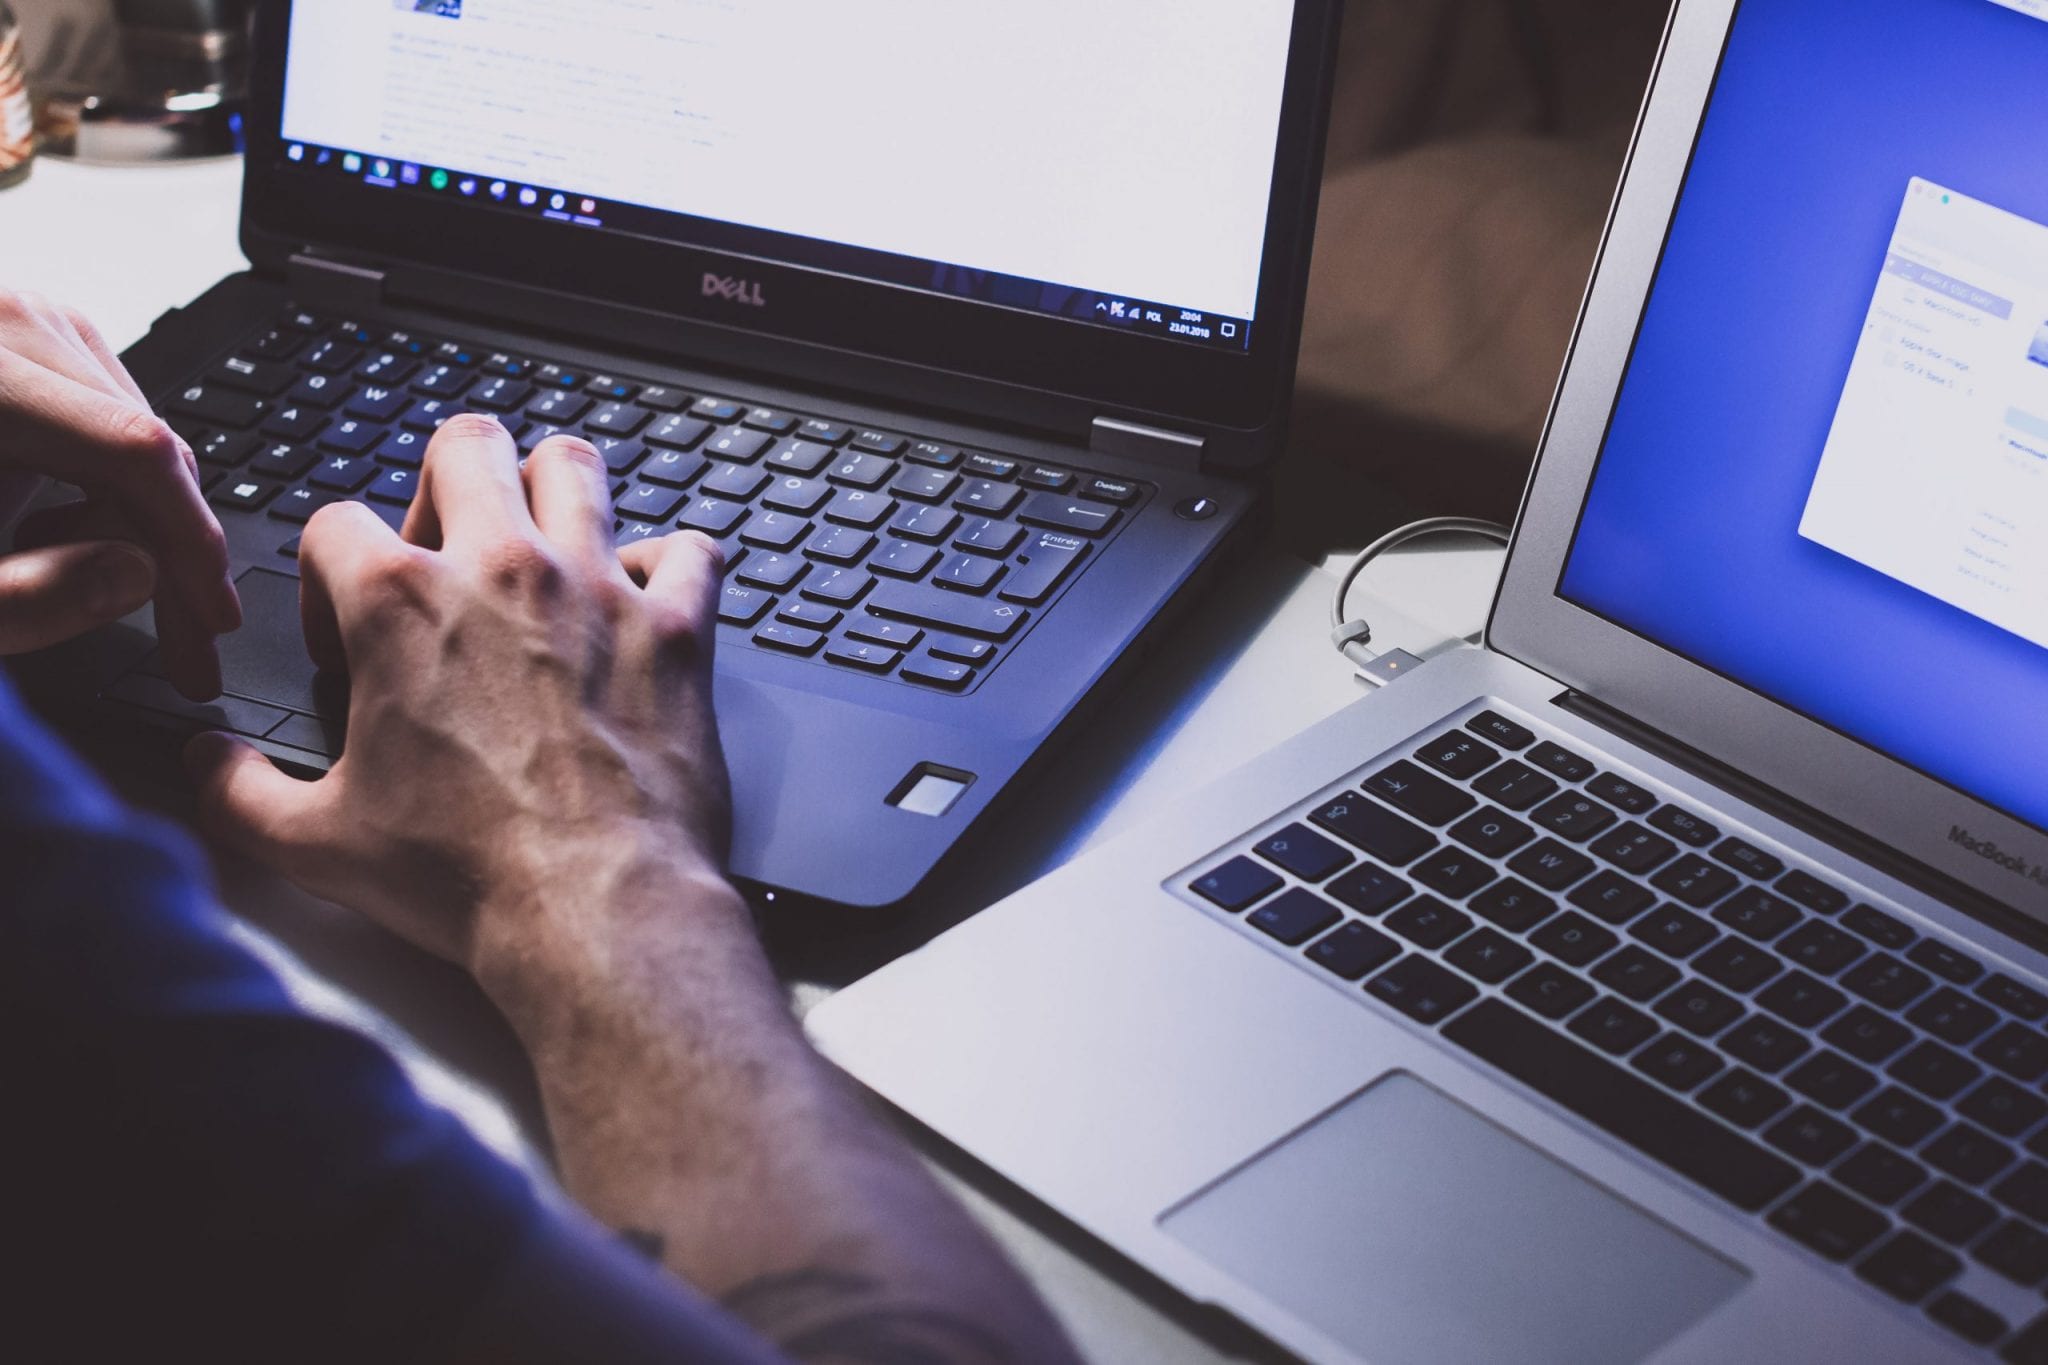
{"x":70,"y":412}
{"x":527,"y":713}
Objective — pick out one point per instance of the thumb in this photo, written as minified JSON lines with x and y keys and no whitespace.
{"x":49,"y":595}
{"x":250,"y":806}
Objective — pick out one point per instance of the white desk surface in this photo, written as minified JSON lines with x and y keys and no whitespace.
{"x":1253,"y":668}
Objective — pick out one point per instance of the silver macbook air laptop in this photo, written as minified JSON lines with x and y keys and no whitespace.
{"x":1664,"y":981}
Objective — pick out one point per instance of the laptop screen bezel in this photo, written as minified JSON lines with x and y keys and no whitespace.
{"x":286,"y":210}
{"x":1851,"y":783}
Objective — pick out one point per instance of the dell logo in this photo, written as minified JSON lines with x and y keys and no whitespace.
{"x":734,"y":290}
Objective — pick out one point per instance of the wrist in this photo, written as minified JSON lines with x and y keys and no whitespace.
{"x":584,"y":941}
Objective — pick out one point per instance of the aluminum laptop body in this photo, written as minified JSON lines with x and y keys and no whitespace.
{"x":851,"y":254}
{"x":1343,"y":1047}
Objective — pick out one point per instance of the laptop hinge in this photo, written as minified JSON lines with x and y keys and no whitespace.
{"x":319,"y":282}
{"x":1154,"y":445}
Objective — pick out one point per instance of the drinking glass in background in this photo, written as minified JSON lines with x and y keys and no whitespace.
{"x":127,"y":81}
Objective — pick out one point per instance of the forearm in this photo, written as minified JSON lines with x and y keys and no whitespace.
{"x":687,"y":1109}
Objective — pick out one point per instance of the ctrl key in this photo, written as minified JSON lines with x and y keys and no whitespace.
{"x":1236,"y":884}
{"x":1295,"y":918}
{"x":1352,"y":950}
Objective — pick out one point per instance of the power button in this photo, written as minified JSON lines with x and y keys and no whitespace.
{"x":1197,"y":509}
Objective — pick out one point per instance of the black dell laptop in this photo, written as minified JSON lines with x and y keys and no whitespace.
{"x":968,"y":330}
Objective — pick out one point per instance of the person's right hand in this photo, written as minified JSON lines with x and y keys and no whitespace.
{"x":530,"y":733}
{"x":69,"y":412}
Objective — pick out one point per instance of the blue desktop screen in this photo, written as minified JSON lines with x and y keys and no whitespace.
{"x":1826,"y":475}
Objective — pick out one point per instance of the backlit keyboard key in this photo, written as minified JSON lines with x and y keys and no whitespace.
{"x":1811,"y":892}
{"x":1684,"y":826}
{"x":1694,"y":881}
{"x":650,"y":502}
{"x":1305,"y":853}
{"x":1573,"y":817}
{"x":1498,"y":729}
{"x":1060,"y":513}
{"x":1122,"y":492}
{"x":1294,"y":917}
{"x":619,"y":419}
{"x":677,"y":432}
{"x":737,"y":443}
{"x":938,"y":673}
{"x":619,"y":453}
{"x":1515,"y":785}
{"x":1458,"y":756}
{"x":1353,"y":950}
{"x":1428,"y":798}
{"x":1043,"y":567}
{"x":771,"y":420}
{"x":714,"y":516}
{"x":395,"y":486}
{"x":742,"y":606}
{"x":1748,"y":859}
{"x":1627,"y":795}
{"x":1237,"y":884}
{"x":968,"y":573}
{"x":865,"y":657}
{"x":1560,"y":762}
{"x":1372,"y":827}
{"x":1370,"y":889}
{"x":343,"y":474}
{"x":243,"y":494}
{"x":934,"y":454}
{"x":789,"y":639}
{"x":859,"y":470}
{"x":1551,"y":865}
{"x":1423,"y":991}
{"x":351,"y":436}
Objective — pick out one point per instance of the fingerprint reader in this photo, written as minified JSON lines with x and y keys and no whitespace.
{"x":930,"y":790}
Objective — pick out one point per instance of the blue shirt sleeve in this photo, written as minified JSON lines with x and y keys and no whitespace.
{"x":187,"y":1159}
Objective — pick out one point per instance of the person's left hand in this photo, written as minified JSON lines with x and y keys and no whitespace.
{"x":70,"y":412}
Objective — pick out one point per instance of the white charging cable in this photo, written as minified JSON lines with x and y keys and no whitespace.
{"x":1353,"y":637}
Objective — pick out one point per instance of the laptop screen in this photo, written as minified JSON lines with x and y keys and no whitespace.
{"x":1826,"y":474}
{"x":1110,"y":162}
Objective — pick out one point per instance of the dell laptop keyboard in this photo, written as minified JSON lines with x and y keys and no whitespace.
{"x":1872,"y":1091}
{"x":872,"y":551}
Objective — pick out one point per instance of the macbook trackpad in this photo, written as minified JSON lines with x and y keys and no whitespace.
{"x":1411,"y":1229}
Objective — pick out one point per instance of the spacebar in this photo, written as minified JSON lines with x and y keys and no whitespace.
{"x":1624,"y":1105}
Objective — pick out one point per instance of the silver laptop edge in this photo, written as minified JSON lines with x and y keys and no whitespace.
{"x":1857,"y":786}
{"x":1136,"y":1059}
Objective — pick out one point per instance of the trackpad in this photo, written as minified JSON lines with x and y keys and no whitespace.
{"x":1408,"y":1227}
{"x":266,"y":658}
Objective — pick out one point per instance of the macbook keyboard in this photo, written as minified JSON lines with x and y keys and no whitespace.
{"x":1869,"y":1089}
{"x":875,"y":552}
